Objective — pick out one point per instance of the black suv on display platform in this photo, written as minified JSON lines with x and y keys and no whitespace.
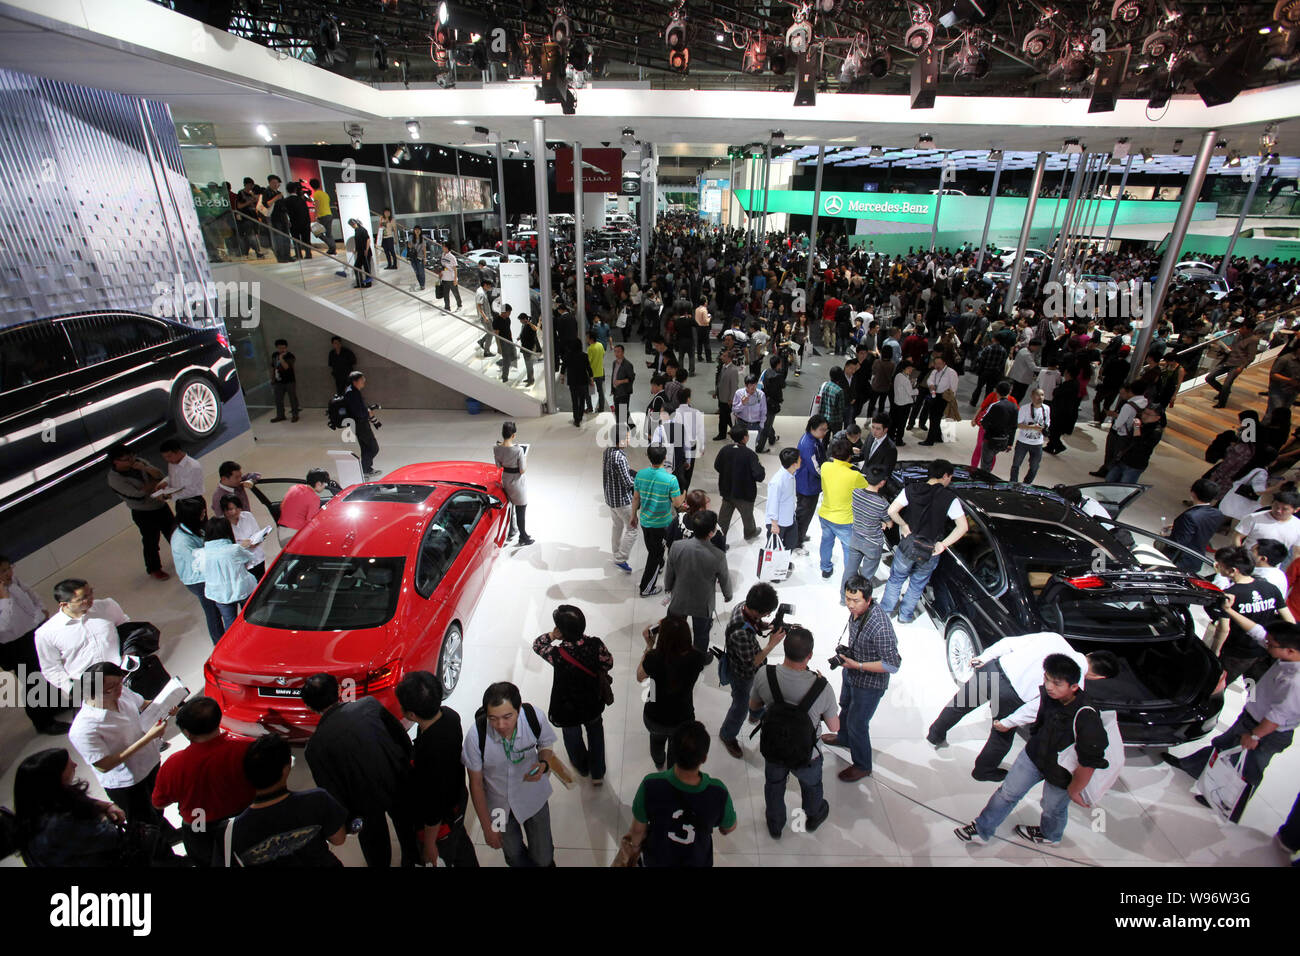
{"x":1032,"y":561}
{"x":73,"y":385}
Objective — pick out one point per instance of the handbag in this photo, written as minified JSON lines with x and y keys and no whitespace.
{"x":604,"y":678}
{"x":1222,"y":785}
{"x":1102,"y":780}
{"x":772,"y":562}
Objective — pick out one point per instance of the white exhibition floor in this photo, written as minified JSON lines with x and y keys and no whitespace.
{"x":903,"y":816}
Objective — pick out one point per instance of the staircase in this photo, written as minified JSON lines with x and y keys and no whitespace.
{"x":407,"y":327}
{"x":1194,"y":421}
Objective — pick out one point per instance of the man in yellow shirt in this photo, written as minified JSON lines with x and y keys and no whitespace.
{"x":839,"y":478}
{"x":596,"y":359}
{"x":324,"y":213}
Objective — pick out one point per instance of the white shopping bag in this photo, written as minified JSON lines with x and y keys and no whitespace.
{"x":1222,"y":784}
{"x":1102,"y":780}
{"x":947,"y":430}
{"x":772,"y":560}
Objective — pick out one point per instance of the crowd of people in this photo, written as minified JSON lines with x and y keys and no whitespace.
{"x":909,"y":329}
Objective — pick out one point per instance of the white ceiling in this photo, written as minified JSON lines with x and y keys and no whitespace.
{"x":141,"y":48}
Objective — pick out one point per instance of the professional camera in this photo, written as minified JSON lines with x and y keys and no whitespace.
{"x":835,"y":661}
{"x":779,"y":621}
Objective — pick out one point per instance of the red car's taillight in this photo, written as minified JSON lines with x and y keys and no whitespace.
{"x":1085,"y":583}
{"x":211,"y":676}
{"x":384,"y":678}
{"x":225,"y":342}
{"x":1207,"y":585}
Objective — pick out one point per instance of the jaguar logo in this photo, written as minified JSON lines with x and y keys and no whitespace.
{"x":833,"y":205}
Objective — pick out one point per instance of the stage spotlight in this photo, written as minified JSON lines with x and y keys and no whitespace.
{"x":799,"y":37}
{"x":1038,"y":43}
{"x":880,"y":63}
{"x":675,"y":34}
{"x":679,"y":61}
{"x":443,"y":15}
{"x":355,"y":131}
{"x":1234,"y":159}
{"x":777,"y":60}
{"x":562,"y":28}
{"x":925,"y":141}
{"x":413,"y":128}
{"x":1126,"y":11}
{"x":1159,"y":44}
{"x":1287,"y":11}
{"x":826,"y":6}
{"x":755,"y":58}
{"x":1075,"y":62}
{"x":995,"y":155}
{"x":629,"y":134}
{"x":852,"y":69}
{"x":919,"y":36}
{"x":876,"y":152}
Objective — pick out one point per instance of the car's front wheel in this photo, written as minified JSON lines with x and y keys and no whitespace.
{"x":962,"y":647}
{"x":196,"y":407}
{"x":449,"y":658}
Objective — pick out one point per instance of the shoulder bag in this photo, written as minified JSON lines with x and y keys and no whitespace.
{"x":605,"y":679}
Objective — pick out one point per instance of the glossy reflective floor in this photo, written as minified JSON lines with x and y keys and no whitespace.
{"x":904,"y":815}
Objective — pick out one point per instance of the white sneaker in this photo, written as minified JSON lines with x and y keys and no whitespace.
{"x":801,"y":552}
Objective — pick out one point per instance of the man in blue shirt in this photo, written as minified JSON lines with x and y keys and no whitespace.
{"x":807,"y":480}
{"x":1194,"y":528}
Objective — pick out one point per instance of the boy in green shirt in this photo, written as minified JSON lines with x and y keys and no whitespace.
{"x":596,"y":359}
{"x":655,"y":493}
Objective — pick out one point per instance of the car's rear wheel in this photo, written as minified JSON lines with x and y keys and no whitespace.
{"x":962,"y":647}
{"x":196,"y":407}
{"x":450,"y":657}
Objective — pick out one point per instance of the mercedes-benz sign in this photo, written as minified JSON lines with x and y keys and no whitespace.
{"x":833,"y":205}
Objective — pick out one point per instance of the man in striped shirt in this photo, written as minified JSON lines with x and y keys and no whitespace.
{"x":870,"y":518}
{"x":618,"y":481}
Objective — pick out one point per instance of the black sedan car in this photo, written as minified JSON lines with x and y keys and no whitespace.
{"x":1033,"y":561}
{"x":73,"y":385}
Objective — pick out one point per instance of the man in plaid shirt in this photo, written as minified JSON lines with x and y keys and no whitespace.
{"x":872,"y":656}
{"x":745,"y":655}
{"x":617,"y":479}
{"x":990,"y":366}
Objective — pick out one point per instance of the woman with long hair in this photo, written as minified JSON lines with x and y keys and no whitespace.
{"x":510,"y":458}
{"x":673,"y":663}
{"x":417,"y":246}
{"x":226,"y":578}
{"x":904,"y":395}
{"x":59,"y":823}
{"x":186,"y":542}
{"x":387,"y":232}
{"x":684,"y":525}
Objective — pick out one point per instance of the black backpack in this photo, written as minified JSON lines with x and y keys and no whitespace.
{"x":480,"y":721}
{"x":788,"y":736}
{"x":336,"y":411}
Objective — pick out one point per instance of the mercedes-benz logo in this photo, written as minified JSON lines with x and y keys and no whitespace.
{"x":833,"y":205}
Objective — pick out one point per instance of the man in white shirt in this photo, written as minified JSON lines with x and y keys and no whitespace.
{"x":80,"y":633}
{"x":21,"y":613}
{"x":508,"y":762}
{"x":1023,"y":369}
{"x":124,"y":750}
{"x":1032,"y":423}
{"x":447,"y":281}
{"x":1278,"y":522}
{"x":184,"y":474}
{"x":942,"y":379}
{"x":1007,"y":677}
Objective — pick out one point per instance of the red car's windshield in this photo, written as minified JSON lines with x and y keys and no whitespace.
{"x":316,"y":593}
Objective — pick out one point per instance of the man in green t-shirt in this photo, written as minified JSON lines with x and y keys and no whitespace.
{"x":654,"y":495}
{"x":596,"y":358}
{"x":675,"y":812}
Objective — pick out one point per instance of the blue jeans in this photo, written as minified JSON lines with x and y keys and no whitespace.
{"x":915,"y":573}
{"x":700,"y":631}
{"x":211,"y":612}
{"x":228,"y":614}
{"x":735,"y":718}
{"x":588,"y":758}
{"x":1035,"y":455}
{"x":831,"y":532}
{"x":1020,"y":780}
{"x":864,"y":561}
{"x":1124,"y":474}
{"x":540,"y":850}
{"x":857,"y":706}
{"x":810,"y":790}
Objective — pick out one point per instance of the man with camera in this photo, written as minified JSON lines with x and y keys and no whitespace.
{"x":868,"y":658}
{"x":921,"y":511}
{"x":796,"y":701}
{"x":745,"y":654}
{"x":359,"y":412}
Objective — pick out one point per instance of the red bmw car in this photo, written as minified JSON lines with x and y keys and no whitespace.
{"x":380,"y":582}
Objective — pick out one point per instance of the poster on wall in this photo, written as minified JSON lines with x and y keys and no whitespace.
{"x":514,"y":291}
{"x":354,"y":203}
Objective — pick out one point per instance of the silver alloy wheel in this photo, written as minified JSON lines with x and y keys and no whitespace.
{"x":961,"y":650}
{"x":200,"y":408}
{"x":449,"y":660}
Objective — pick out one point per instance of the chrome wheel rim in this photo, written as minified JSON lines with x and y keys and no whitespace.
{"x":199,"y":408}
{"x":961,"y":650}
{"x":451,"y":660}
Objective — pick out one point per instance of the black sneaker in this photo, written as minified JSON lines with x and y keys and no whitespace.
{"x":936,"y":741}
{"x":1034,"y":835}
{"x":996,"y":775}
{"x":969,"y":834}
{"x":774,"y":832}
{"x":817,"y":820}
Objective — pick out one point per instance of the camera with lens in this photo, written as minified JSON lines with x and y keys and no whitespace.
{"x":835,"y":661}
{"x":779,"y":622}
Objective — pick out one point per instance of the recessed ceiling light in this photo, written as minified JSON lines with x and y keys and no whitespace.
{"x":461,"y":122}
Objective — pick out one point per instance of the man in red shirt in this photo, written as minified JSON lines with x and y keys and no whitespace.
{"x":206,"y":779}
{"x":301,"y":502}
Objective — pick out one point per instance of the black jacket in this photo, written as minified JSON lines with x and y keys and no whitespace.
{"x":999,"y":423}
{"x":355,"y":404}
{"x":1053,"y":731}
{"x":622,"y":370}
{"x":886,"y":455}
{"x":360,"y":754}
{"x":739,"y":472}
